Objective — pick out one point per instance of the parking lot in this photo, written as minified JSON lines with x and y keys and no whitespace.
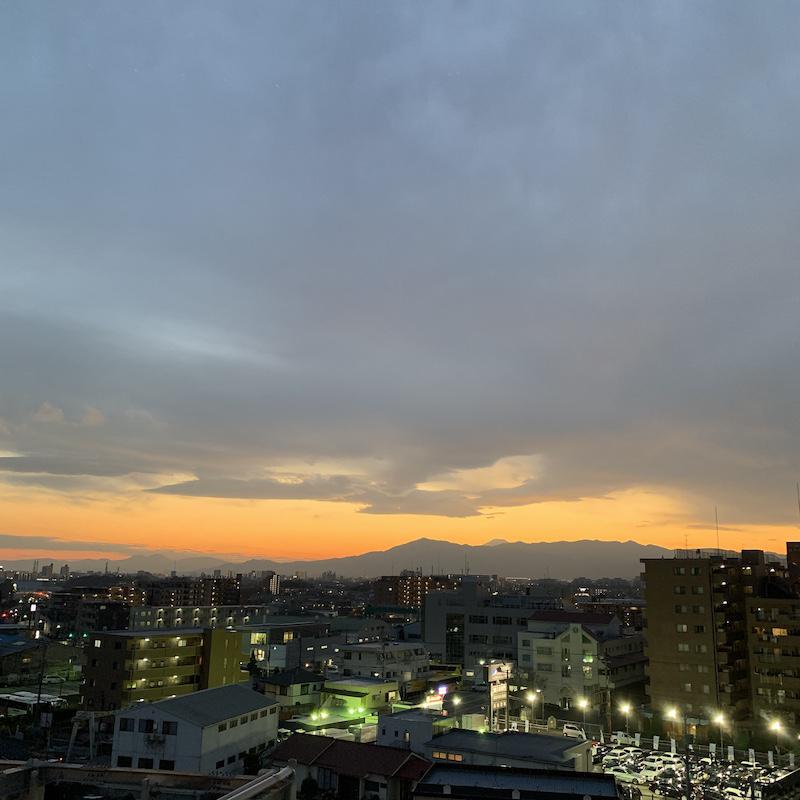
{"x":641,"y":772}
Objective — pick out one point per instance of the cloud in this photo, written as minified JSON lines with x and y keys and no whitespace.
{"x":564,"y":267}
{"x":56,"y":543}
{"x":93,"y":417}
{"x":48,"y":413}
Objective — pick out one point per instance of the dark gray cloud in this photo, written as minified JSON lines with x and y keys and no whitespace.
{"x":415,"y":239}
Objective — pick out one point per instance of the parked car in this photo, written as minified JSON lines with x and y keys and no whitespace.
{"x":574,"y":731}
{"x":52,"y":679}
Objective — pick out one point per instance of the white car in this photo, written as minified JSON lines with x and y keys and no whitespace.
{"x":627,"y":774}
{"x":574,"y":731}
{"x":652,"y":767}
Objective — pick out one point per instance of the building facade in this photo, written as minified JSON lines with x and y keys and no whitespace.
{"x":211,"y":731}
{"x":570,"y":656}
{"x":474,"y":624}
{"x":126,"y":667}
{"x":697,"y":631}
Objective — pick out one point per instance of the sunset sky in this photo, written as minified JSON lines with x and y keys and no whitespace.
{"x":311,"y":279}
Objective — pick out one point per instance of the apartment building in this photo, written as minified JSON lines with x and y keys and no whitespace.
{"x":774,"y":651}
{"x":171,"y":617}
{"x":211,"y":731}
{"x":575,"y":655}
{"x":696,"y":635}
{"x":409,"y":589}
{"x":406,"y":662}
{"x":213,"y":590}
{"x":474,"y":623}
{"x":126,"y":667}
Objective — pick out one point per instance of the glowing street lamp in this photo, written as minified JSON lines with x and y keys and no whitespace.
{"x":583,"y":704}
{"x":626,"y":709}
{"x":776,"y":726}
{"x":719,"y":719}
{"x":456,"y":700}
{"x":531,"y":698}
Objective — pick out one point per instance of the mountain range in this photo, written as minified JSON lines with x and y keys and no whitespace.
{"x":586,"y":558}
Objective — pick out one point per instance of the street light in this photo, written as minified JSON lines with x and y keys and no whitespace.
{"x":625,"y":708}
{"x":719,"y":719}
{"x":674,"y":714}
{"x":456,"y":701}
{"x":583,"y":704}
{"x":531,"y":698}
{"x":776,"y":726}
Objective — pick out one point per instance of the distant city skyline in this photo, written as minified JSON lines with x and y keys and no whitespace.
{"x":303,"y":285}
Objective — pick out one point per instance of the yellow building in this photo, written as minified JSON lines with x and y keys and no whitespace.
{"x":126,"y":667}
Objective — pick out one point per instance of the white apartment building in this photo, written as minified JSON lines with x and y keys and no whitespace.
{"x":401,"y":661}
{"x":570,"y":656}
{"x":210,"y":732}
{"x":143,"y":618}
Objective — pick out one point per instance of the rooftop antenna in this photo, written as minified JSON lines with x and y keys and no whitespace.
{"x":716,"y":520}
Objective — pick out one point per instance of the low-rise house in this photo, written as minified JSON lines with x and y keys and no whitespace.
{"x":510,"y":749}
{"x":211,"y":731}
{"x":297,"y":691}
{"x":412,"y":729}
{"x":351,"y":770}
{"x":364,"y":694}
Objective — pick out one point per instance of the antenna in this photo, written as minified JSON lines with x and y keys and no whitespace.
{"x":716,"y":520}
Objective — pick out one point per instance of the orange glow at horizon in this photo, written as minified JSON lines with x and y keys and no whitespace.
{"x":300,"y":530}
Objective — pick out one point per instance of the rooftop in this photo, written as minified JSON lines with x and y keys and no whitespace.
{"x":535,"y":746}
{"x":351,"y":758}
{"x":291,"y":677}
{"x":210,"y":706}
{"x":501,"y":782}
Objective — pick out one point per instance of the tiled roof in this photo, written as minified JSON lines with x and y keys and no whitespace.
{"x":351,"y":758}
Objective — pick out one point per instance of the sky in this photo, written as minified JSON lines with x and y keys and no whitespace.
{"x":311,"y":279}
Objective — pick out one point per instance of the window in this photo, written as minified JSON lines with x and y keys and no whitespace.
{"x":687,"y":687}
{"x":263,"y":713}
{"x":681,"y":609}
{"x":223,"y":726}
{"x":234,"y":723}
{"x":683,"y":647}
{"x":679,"y":590}
{"x":231,"y":759}
{"x":706,"y":688}
{"x":169,"y":728}
{"x":166,"y":764}
{"x":127,"y":724}
{"x":219,"y":764}
{"x":147,"y":725}
{"x":697,"y":570}
{"x":700,"y":648}
{"x":679,"y":570}
{"x":699,"y":628}
{"x":501,"y":620}
{"x":145,"y":763}
{"x":243,"y":720}
{"x":698,"y":609}
{"x":683,"y":667}
{"x":698,"y":590}
{"x":254,"y":716}
{"x":526,"y":642}
{"x":124,"y":761}
{"x":478,"y":619}
{"x":702,"y":667}
{"x":681,"y":628}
